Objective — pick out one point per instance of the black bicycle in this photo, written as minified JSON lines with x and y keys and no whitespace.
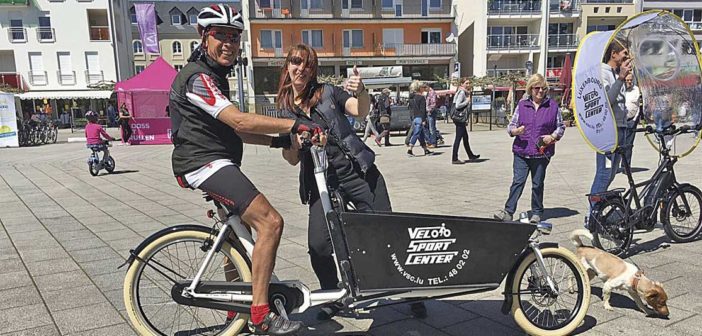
{"x":613,"y":218}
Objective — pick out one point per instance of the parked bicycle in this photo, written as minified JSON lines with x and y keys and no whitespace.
{"x":33,"y":133}
{"x":176,"y":280}
{"x":614,"y":218}
{"x":96,"y":163}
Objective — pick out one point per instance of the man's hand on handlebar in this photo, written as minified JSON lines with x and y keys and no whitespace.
{"x":303,"y":125}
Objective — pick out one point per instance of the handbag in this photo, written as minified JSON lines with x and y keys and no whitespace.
{"x":459,"y":115}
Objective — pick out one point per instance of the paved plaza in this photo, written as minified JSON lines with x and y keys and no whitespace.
{"x":63,"y":233}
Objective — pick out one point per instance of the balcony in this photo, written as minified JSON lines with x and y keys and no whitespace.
{"x":38,"y":78}
{"x":597,"y":2}
{"x":273,"y":13}
{"x":66,"y":77}
{"x":513,"y":42}
{"x":93,"y":76}
{"x":401,"y":49}
{"x":13,"y":80}
{"x":564,"y":8}
{"x":17,"y":34}
{"x":695,"y":25}
{"x":46,"y":34}
{"x":505,"y":72}
{"x":505,"y":8}
{"x":563,"y":41}
{"x":99,"y":33}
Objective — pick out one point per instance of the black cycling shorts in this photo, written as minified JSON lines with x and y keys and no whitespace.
{"x":230,"y":187}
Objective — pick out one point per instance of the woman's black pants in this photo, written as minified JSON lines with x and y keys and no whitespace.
{"x":461,"y":135}
{"x":369,"y":193}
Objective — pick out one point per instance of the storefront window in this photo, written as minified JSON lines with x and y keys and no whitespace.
{"x":266,"y":80}
{"x":425,"y":72}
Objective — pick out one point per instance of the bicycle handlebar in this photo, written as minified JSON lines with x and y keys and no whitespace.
{"x":670,"y":130}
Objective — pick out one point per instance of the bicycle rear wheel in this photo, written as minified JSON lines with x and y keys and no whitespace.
{"x":540,"y":311}
{"x":610,"y":227}
{"x":682,"y":215}
{"x":178,"y":256}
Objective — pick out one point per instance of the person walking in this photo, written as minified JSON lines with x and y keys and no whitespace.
{"x":371,"y":120}
{"x":430,"y":128}
{"x":124,"y":118}
{"x":462,"y":102}
{"x":383,"y":106}
{"x":536,"y":126}
{"x":418,"y":109}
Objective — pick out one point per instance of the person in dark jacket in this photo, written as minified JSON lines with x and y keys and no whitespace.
{"x":418,"y":109}
{"x":463,"y":101}
{"x":536,"y":126}
{"x":351,"y":170}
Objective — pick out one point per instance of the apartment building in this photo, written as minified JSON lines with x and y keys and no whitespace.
{"x":53,"y":50}
{"x":177,"y":35}
{"x":410,"y":33}
{"x":690,"y":11}
{"x":499,"y":37}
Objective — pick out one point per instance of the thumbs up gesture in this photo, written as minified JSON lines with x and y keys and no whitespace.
{"x":354,"y":83}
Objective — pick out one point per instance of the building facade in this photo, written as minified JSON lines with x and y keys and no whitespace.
{"x":55,"y":51}
{"x":690,"y":11}
{"x":411,"y":33}
{"x":499,"y":37}
{"x":177,"y":35}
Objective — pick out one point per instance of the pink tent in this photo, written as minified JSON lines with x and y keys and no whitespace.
{"x":146,"y":98}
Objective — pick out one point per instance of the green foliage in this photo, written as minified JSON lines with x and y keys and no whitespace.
{"x":330,"y":79}
{"x":567,"y":114}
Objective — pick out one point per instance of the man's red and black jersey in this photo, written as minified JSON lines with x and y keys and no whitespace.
{"x":199,"y":93}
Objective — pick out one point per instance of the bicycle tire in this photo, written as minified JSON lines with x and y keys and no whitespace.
{"x":94,"y":167}
{"x":110,"y":165}
{"x":144,"y":324}
{"x":610,"y":227}
{"x":577,"y":282}
{"x":674,"y":210}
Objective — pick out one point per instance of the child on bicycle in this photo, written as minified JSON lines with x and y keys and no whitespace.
{"x":94,"y":133}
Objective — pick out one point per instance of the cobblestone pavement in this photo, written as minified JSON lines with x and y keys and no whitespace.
{"x":63,"y":233}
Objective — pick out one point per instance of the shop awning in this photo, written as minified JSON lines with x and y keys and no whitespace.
{"x":86,"y":94}
{"x":374,"y":83}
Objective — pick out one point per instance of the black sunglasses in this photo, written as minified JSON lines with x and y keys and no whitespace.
{"x":296,"y":60}
{"x":224,"y":37}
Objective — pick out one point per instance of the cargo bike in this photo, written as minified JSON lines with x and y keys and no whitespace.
{"x":184,"y":279}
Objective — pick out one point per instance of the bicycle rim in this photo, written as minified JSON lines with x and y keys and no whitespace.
{"x":611,"y":231}
{"x":685,"y":215}
{"x":180,"y":258}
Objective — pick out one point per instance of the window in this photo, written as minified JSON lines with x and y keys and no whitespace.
{"x":431,"y":36}
{"x":313,"y":38}
{"x":193,"y":45}
{"x":435,"y":4}
{"x":37,"y":75}
{"x":138,"y":47}
{"x":132,"y":15}
{"x":44,"y":29}
{"x":177,"y":47}
{"x":393,"y":37}
{"x":175,"y":19}
{"x":592,"y":28}
{"x":17,"y":30}
{"x":353,"y":38}
{"x":193,"y":19}
{"x":65,"y":68}
{"x":271,"y":39}
{"x":264,"y":3}
{"x":266,"y":80}
{"x":315,"y":4}
{"x":356,"y":4}
{"x":388,"y":4}
{"x":138,"y":69}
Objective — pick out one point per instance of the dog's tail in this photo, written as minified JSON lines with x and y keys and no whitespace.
{"x":577,"y":234}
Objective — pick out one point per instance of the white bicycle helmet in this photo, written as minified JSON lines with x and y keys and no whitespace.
{"x":219,"y":16}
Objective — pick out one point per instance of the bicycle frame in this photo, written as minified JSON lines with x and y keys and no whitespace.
{"x":352,"y":294}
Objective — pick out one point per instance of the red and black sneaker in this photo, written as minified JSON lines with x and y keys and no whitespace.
{"x":273,"y":324}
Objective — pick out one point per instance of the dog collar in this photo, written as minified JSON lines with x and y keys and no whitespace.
{"x":637,"y":277}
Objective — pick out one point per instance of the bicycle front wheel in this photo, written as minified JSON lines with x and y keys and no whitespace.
{"x":537,"y":308}
{"x":610,"y":229}
{"x":681,"y":216}
{"x":178,"y":256}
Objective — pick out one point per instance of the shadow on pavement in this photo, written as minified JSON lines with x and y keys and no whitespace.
{"x":116,"y":172}
{"x":647,"y":247}
{"x":559,"y":212}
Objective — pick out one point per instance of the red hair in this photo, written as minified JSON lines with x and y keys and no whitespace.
{"x":312,"y":92}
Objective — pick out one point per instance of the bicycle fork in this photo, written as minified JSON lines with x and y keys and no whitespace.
{"x":542,"y":266}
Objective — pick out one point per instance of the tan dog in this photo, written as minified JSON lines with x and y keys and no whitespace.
{"x":619,"y":274}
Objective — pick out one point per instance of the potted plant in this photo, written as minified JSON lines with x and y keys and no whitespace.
{"x":568,"y":116}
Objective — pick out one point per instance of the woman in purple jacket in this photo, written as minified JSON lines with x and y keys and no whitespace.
{"x":536,"y":126}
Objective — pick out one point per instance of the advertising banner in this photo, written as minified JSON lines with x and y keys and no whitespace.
{"x":151,"y":131}
{"x":146,"y":20}
{"x":8,"y":121}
